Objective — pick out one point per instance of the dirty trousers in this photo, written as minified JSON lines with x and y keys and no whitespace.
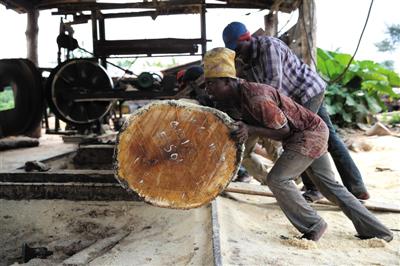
{"x":347,"y":169}
{"x":253,"y":163}
{"x":289,"y":165}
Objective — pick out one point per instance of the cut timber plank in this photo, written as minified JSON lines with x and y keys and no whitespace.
{"x":250,"y":189}
{"x":97,"y":249}
{"x":176,"y":154}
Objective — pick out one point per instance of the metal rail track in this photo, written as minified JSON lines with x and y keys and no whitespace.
{"x":82,"y":184}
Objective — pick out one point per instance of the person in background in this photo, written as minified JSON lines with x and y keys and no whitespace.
{"x":266,"y":112}
{"x":268,"y":60}
{"x":179,"y":79}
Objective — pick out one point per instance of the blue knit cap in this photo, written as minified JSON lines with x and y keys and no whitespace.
{"x":193,"y":73}
{"x":233,"y":33}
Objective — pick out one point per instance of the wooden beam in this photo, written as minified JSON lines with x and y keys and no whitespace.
{"x":203,"y":28}
{"x":68,"y":191}
{"x":20,"y":6}
{"x":73,"y":184}
{"x":32,"y":32}
{"x":259,"y":190}
{"x":104,"y":6}
{"x":192,"y":9}
{"x":307,"y":24}
{"x":93,"y":15}
{"x":147,"y":46}
{"x":271,"y":24}
{"x":59,"y":176}
{"x":99,"y":248}
{"x":73,"y":6}
{"x":70,"y":8}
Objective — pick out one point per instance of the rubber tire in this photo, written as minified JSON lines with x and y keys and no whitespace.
{"x":28,"y":93}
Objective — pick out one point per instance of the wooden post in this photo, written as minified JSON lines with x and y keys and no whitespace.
{"x":271,"y":19}
{"x":307,"y":29}
{"x":203,"y":28}
{"x":271,"y":24}
{"x":102,"y":37}
{"x":94,"y":31}
{"x":32,"y":31}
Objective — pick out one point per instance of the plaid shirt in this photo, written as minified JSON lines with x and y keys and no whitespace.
{"x":274,"y":64}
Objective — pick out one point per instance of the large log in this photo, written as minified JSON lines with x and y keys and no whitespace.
{"x":176,"y":154}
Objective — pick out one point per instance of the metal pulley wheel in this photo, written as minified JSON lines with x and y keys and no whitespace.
{"x":147,"y":81}
{"x":78,"y":76}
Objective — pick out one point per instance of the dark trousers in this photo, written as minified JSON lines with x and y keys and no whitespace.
{"x":348,"y":171}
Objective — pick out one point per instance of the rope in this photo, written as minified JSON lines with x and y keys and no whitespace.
{"x":354,"y":54}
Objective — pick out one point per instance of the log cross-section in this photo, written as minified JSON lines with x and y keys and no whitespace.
{"x":177,"y":155}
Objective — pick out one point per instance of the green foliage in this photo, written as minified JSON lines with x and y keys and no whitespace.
{"x":125,"y":63}
{"x":355,"y":95}
{"x":163,"y":64}
{"x":7,"y":99}
{"x":391,"y":118}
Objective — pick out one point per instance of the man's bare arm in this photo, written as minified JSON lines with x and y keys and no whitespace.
{"x":275,"y":134}
{"x":244,"y":130}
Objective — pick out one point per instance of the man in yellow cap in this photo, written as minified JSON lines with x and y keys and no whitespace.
{"x":264,"y":112}
{"x":267,"y":60}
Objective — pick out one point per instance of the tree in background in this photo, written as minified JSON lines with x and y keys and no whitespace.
{"x":390,"y":44}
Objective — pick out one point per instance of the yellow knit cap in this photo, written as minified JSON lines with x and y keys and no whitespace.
{"x":219,"y":63}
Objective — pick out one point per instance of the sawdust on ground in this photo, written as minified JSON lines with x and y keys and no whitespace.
{"x":253,"y":229}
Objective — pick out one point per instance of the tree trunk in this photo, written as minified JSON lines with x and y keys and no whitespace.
{"x":271,"y":24}
{"x":307,"y":27}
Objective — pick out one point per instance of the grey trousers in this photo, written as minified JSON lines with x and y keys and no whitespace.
{"x":289,"y":165}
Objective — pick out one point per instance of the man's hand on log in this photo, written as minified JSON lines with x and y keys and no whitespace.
{"x":241,"y":132}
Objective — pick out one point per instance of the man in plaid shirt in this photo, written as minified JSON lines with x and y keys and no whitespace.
{"x":269,"y":61}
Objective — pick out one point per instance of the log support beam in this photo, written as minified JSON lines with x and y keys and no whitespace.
{"x":32,"y":33}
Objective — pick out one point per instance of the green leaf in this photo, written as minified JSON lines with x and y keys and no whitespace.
{"x":332,"y":109}
{"x":379,"y":87}
{"x":346,"y":117}
{"x":371,"y":75}
{"x":350,"y":101}
{"x":343,"y":59}
{"x":373,"y":105}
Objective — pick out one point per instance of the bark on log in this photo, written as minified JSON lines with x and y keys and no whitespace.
{"x":176,"y":154}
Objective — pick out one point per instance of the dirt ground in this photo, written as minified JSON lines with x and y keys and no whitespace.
{"x":253,"y":229}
